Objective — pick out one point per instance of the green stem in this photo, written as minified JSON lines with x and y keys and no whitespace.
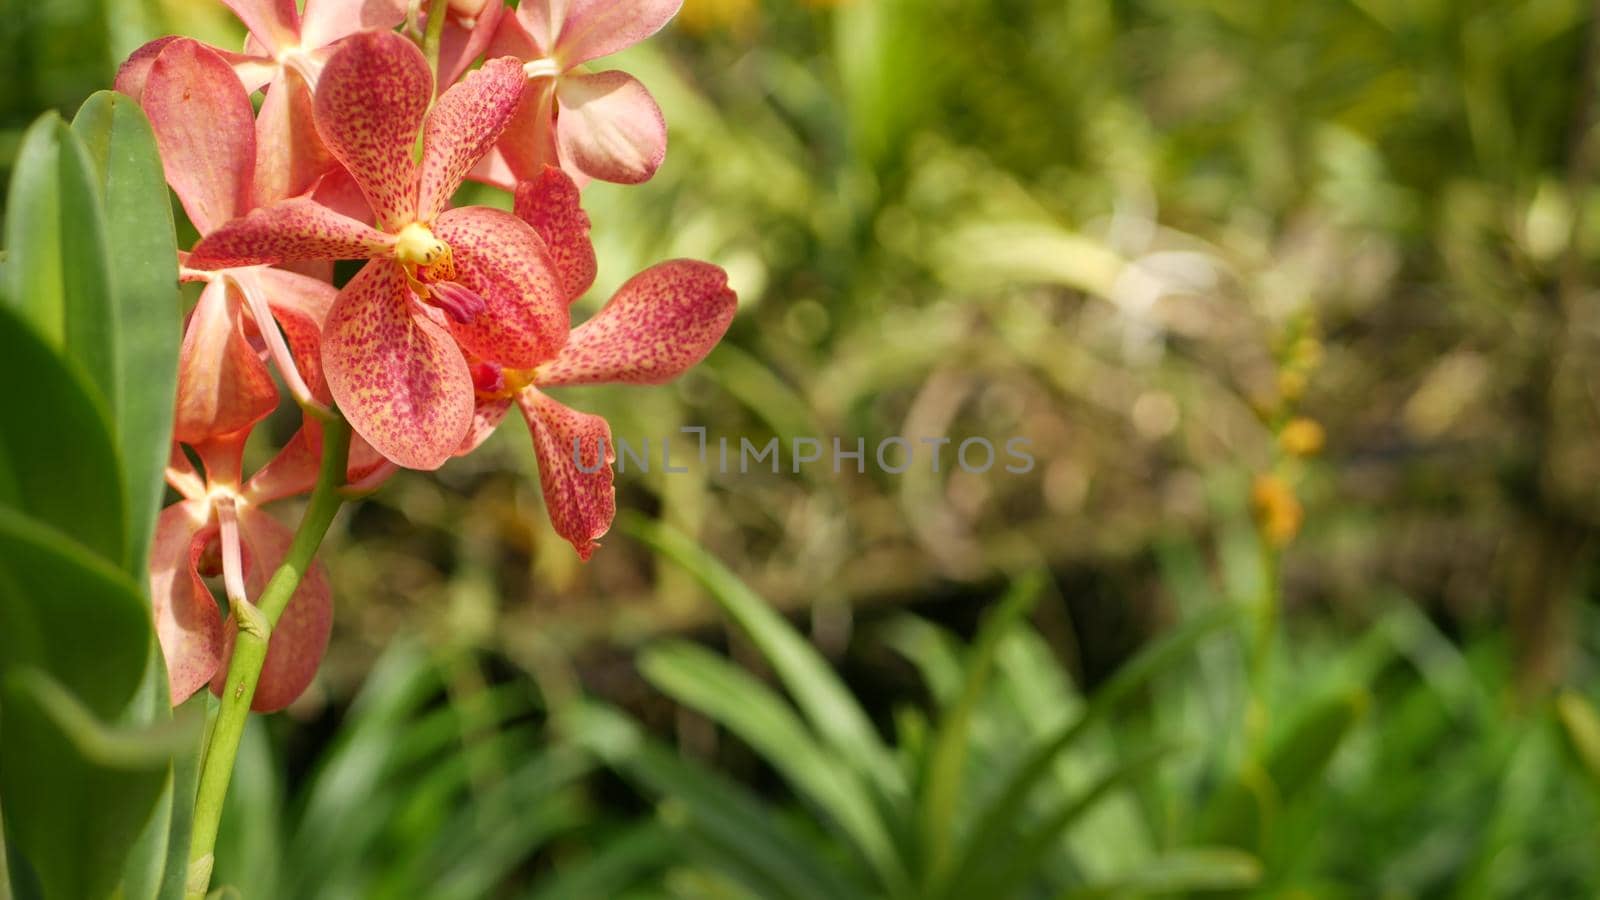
{"x":250,"y":652}
{"x":438,"y":10}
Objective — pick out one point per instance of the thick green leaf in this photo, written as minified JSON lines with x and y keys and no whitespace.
{"x":70,"y":614}
{"x":56,"y":446}
{"x":55,"y":240}
{"x":145,"y":308}
{"x":745,"y":706}
{"x":77,"y":792}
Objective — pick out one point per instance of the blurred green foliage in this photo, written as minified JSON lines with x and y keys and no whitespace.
{"x":1142,"y":234}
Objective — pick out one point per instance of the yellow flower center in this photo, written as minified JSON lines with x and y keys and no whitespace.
{"x":415,"y":244}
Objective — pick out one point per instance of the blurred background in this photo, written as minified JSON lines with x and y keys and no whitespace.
{"x":1293,"y":302}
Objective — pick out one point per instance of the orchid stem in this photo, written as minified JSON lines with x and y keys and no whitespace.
{"x":437,"y":11}
{"x":250,"y":652}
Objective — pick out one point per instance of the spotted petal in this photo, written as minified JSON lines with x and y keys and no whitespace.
{"x":463,"y":125}
{"x":504,"y":261}
{"x":551,"y":204}
{"x":659,"y":324}
{"x":300,"y":636}
{"x":223,"y":386}
{"x":577,"y":482}
{"x":370,"y":103}
{"x":291,"y":230}
{"x":188,"y":622}
{"x":205,"y":129}
{"x":396,"y":374}
{"x":610,"y":127}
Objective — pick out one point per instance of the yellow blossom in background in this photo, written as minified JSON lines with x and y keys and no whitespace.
{"x":1278,"y":512}
{"x":1302,"y":437}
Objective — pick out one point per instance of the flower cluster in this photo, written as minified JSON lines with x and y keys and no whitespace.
{"x":354,"y":152}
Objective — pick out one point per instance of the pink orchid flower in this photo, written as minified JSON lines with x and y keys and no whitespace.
{"x":657,"y":326}
{"x":469,"y":28}
{"x":439,"y":281}
{"x":219,"y":528}
{"x":601,"y":125}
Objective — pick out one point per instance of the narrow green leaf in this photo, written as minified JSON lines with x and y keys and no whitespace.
{"x":702,"y":681}
{"x":56,"y":445}
{"x":827,"y":704}
{"x":35,"y":276}
{"x":1581,"y":726}
{"x":1183,"y":871}
{"x":994,"y":823}
{"x":145,"y":306}
{"x":945,"y":772}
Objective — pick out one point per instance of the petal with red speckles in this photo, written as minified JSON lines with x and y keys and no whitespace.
{"x":289,"y":231}
{"x":326,"y":21}
{"x":205,"y":129}
{"x":610,"y":127}
{"x":275,"y":23}
{"x":187,"y":620}
{"x":223,"y":386}
{"x":463,"y":125}
{"x":300,"y":636}
{"x":552,"y":205}
{"x":576,"y":478}
{"x":397,"y":375}
{"x":503,"y":260}
{"x":370,"y":103}
{"x":290,"y":158}
{"x":659,"y":324}
{"x":486,"y":417}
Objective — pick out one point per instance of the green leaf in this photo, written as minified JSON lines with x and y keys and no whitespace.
{"x":1183,"y":871}
{"x":945,"y":772}
{"x":55,"y":238}
{"x":726,"y":694}
{"x":1580,"y":724}
{"x":146,"y":308}
{"x":771,"y":859}
{"x":77,"y":792}
{"x":70,"y":614}
{"x":828,"y":705}
{"x":55,"y":445}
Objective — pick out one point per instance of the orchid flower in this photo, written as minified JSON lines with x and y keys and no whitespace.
{"x":656,"y":327}
{"x":219,"y":528}
{"x":440,"y":281}
{"x":284,"y":54}
{"x":601,"y":125}
{"x":469,"y":27}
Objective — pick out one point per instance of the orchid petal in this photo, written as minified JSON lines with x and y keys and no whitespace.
{"x":326,"y":21}
{"x":464,"y":124}
{"x":300,"y":636}
{"x":252,"y":71}
{"x":181,"y":475}
{"x":581,"y":503}
{"x":610,"y":127}
{"x":529,"y":142}
{"x":659,"y":324}
{"x":595,"y":28}
{"x":290,"y":157}
{"x":288,"y":231}
{"x":370,"y":103}
{"x":205,"y":129}
{"x":486,"y":417}
{"x":527,"y":33}
{"x":223,"y":386}
{"x":551,"y":204}
{"x":187,"y":620}
{"x":274,"y":23}
{"x":462,"y":42}
{"x":294,"y":469}
{"x":397,"y":375}
{"x":503,"y":260}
